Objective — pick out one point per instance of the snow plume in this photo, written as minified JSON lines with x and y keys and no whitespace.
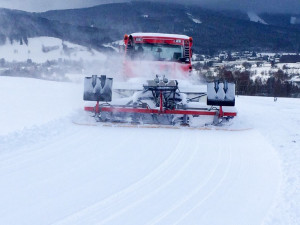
{"x":111,"y":66}
{"x":125,"y":69}
{"x":140,"y":71}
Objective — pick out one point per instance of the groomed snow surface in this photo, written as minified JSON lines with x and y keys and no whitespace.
{"x":56,"y":172}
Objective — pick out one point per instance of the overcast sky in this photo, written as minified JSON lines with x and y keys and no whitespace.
{"x":291,"y":6}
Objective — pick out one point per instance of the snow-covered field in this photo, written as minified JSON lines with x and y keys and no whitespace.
{"x":41,"y":49}
{"x":56,"y":172}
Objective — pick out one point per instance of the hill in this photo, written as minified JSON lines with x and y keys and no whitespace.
{"x":19,"y":25}
{"x":211,"y":30}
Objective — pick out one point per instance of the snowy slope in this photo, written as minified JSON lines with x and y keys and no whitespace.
{"x":56,"y":172}
{"x":41,"y":49}
{"x":255,"y":18}
{"x":36,"y":103}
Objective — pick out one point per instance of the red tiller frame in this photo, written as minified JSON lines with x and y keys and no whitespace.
{"x":113,"y":109}
{"x":156,"y":111}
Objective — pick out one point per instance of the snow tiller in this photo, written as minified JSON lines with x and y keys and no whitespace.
{"x":160,"y":102}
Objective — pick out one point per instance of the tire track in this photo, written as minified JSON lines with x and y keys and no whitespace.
{"x":157,"y":174}
{"x":159,"y":188}
{"x":185,"y":215}
{"x":189,"y":196}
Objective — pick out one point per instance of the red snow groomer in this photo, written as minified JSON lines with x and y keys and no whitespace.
{"x":155,"y":53}
{"x":160,"y":100}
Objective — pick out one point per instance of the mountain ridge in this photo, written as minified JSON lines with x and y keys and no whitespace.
{"x":212,"y":30}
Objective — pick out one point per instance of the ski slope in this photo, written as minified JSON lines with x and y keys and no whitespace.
{"x":56,"y":172}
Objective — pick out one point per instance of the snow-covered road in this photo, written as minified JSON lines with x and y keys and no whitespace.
{"x":55,"y":172}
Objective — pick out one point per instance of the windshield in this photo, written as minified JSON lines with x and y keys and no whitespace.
{"x":157,"y":52}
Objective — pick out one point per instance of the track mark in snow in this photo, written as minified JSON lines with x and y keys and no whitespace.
{"x":189,"y":196}
{"x":161,"y":186}
{"x":157,"y":175}
{"x":208,"y":195}
{"x":200,"y":178}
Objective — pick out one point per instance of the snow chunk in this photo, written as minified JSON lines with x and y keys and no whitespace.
{"x":194,"y":19}
{"x":295,"y":20}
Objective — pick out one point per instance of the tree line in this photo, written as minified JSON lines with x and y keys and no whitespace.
{"x":277,"y":85}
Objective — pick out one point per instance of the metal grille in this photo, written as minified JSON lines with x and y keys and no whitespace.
{"x":186,"y":51}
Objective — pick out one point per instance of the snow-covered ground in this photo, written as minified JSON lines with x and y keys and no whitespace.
{"x":41,"y":49}
{"x":56,"y":172}
{"x":265,"y":70}
{"x":255,"y":18}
